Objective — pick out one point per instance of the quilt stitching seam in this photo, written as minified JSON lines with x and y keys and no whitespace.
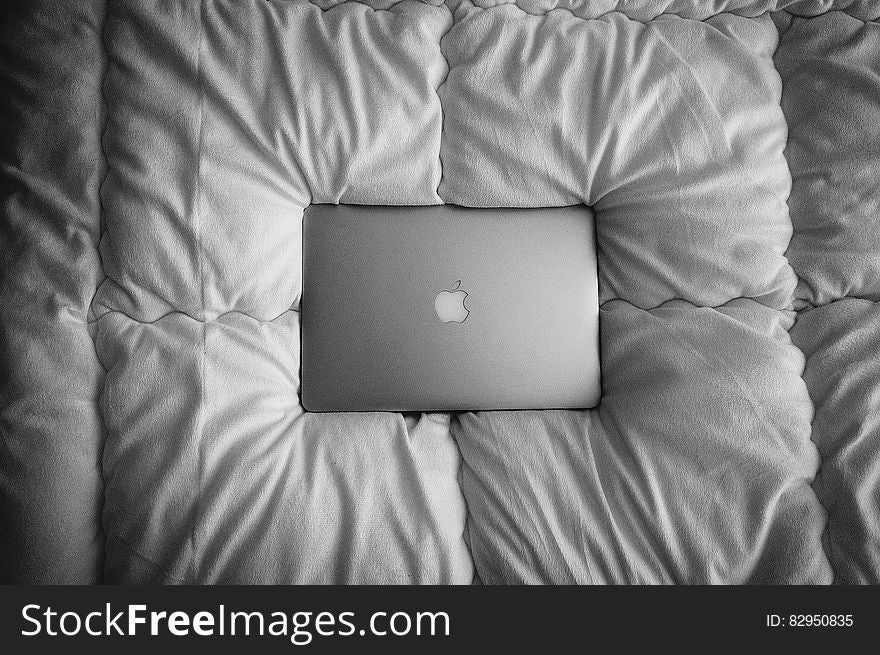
{"x":440,"y":100}
{"x":818,"y":475}
{"x":104,"y":536}
{"x":742,"y":13}
{"x":197,"y":224}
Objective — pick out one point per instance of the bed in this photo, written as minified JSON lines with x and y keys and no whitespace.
{"x":155,"y":162}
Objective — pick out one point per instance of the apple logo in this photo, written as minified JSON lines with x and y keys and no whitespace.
{"x":449,"y":305}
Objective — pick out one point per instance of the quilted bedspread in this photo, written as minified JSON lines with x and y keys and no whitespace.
{"x":155,"y":160}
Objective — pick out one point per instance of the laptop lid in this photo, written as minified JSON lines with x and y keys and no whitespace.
{"x":449,"y":308}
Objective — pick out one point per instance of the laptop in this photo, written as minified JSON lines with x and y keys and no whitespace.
{"x":447,"y":308}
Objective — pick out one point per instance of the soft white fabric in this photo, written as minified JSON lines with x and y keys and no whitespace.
{"x":223,"y":124}
{"x":646,"y":10}
{"x":176,"y":268}
{"x":842,"y":342}
{"x":671,"y":130}
{"x":695,"y":467}
{"x":227,"y":479}
{"x":831,"y":69}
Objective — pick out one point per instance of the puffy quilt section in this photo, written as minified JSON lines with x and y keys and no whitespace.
{"x":671,"y":130}
{"x":227,"y":118}
{"x":695,"y":468}
{"x":227,"y":479}
{"x":842,"y":343}
{"x":831,"y":70}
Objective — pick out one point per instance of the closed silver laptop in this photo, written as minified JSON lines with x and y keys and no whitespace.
{"x":449,"y":308}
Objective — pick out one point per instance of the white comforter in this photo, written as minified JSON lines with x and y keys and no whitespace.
{"x":153,"y":190}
